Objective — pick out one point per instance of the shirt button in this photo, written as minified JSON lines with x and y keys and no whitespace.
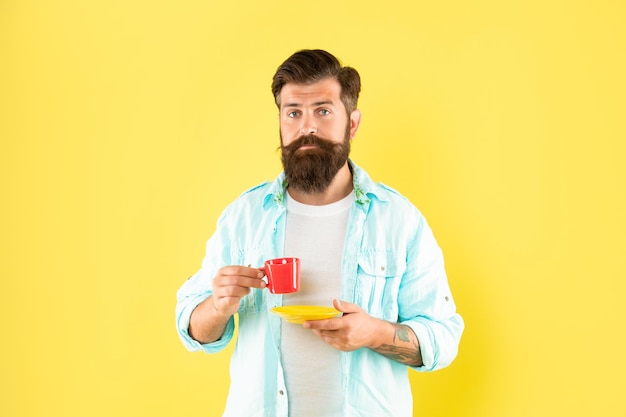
{"x":281,"y":392}
{"x":382,"y":268}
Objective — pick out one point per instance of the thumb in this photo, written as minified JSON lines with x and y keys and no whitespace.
{"x":346,"y":307}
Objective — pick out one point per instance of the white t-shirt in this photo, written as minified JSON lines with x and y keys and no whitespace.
{"x":316,"y":235}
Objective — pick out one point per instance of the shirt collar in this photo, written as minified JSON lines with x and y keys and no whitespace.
{"x":364,"y":188}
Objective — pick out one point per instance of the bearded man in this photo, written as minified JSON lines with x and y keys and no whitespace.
{"x":364,"y":249}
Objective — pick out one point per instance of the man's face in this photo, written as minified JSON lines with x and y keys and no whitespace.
{"x":315,"y":134}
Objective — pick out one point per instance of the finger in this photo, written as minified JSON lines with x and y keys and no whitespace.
{"x":346,"y":307}
{"x":237,"y":275}
{"x":231,"y":291}
{"x":244,"y":271}
{"x":325,"y":335}
{"x":327,"y":324}
{"x":331,"y":339}
{"x":225,"y":301}
{"x":239,"y":281}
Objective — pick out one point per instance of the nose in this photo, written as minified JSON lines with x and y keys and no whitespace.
{"x":308,"y":127}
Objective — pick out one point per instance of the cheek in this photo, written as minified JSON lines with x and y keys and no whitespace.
{"x":339,"y":131}
{"x":284,"y":137}
{"x":288,"y":134}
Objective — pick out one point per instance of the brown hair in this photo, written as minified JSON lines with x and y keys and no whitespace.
{"x":312,"y":65}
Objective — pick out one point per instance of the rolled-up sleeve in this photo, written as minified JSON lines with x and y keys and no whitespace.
{"x":187,"y":301}
{"x":426,"y":304}
{"x":198,"y":288}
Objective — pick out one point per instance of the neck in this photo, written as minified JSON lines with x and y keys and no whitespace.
{"x":339,"y":188}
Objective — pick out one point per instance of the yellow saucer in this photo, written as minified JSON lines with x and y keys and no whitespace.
{"x":300,"y":314}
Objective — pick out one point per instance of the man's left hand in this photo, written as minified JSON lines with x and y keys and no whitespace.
{"x":354,"y":330}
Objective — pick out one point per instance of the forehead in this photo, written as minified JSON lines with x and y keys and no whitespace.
{"x":327,"y":91}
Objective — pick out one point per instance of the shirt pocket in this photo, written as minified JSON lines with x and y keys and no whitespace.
{"x":379,"y":274}
{"x":255,"y":301}
{"x":252,"y":303}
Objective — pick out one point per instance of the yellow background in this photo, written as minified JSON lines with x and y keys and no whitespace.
{"x":127,"y":126}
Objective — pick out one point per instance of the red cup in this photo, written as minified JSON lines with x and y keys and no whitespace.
{"x":283,"y":275}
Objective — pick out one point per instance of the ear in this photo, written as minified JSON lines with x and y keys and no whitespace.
{"x":355,"y":121}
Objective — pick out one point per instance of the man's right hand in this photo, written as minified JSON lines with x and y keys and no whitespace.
{"x":209,"y":319}
{"x":231,"y":284}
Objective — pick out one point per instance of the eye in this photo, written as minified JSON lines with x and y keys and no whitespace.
{"x":292,"y":114}
{"x":324,"y":112}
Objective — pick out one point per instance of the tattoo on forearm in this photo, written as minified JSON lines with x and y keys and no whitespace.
{"x":401,"y":332}
{"x":405,"y":348}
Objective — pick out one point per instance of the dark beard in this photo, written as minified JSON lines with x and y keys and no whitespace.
{"x":312,"y":170}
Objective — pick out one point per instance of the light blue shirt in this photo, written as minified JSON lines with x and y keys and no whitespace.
{"x":392,"y":268}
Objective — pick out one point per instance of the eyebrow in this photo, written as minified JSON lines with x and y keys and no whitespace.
{"x":317,"y":103}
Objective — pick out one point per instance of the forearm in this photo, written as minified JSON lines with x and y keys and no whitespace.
{"x":206,"y":324}
{"x":399,"y":343}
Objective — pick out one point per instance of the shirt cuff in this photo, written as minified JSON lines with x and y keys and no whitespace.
{"x":184,"y":316}
{"x":426,"y":349}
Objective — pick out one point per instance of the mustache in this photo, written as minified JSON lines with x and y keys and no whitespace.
{"x":306,"y":140}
